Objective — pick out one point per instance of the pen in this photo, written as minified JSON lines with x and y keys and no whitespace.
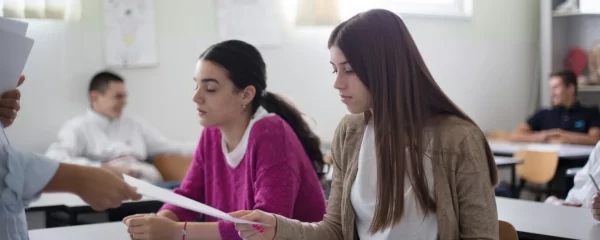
{"x":594,"y":181}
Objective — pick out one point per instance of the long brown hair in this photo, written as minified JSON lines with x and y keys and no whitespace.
{"x":406,"y":100}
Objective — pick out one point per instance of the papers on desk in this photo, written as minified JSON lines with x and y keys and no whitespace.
{"x":15,"y":48}
{"x":164,"y":195}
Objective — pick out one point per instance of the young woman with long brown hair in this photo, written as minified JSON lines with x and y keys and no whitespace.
{"x":408,"y":163}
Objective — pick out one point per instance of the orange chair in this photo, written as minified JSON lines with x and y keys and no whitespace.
{"x":507,"y":231}
{"x":171,"y":167}
{"x":537,"y":168}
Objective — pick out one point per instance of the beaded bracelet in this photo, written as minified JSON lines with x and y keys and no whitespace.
{"x":184,"y":231}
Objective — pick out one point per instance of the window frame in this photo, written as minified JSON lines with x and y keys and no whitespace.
{"x":460,"y":9}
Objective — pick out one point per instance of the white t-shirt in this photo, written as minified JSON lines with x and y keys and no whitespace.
{"x":235,"y":156}
{"x":93,"y":139}
{"x":414,"y":224}
{"x":583,"y":190}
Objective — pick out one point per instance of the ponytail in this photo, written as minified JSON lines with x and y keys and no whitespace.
{"x":309,"y":140}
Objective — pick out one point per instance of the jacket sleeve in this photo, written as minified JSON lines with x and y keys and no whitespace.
{"x":477,"y":213}
{"x":331,"y":226}
{"x":24,"y":175}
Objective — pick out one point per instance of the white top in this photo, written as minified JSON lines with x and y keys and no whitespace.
{"x":235,"y":156}
{"x":93,"y":139}
{"x":583,"y":190}
{"x":414,"y":225}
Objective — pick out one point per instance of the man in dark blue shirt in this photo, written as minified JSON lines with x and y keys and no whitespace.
{"x":566,"y":122}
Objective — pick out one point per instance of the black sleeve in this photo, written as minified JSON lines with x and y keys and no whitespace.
{"x":535,"y":121}
{"x":594,"y":118}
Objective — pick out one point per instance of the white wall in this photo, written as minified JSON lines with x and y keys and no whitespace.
{"x":486,"y":64}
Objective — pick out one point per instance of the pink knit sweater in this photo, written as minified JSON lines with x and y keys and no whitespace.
{"x":275,"y":175}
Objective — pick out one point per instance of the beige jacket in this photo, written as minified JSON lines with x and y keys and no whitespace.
{"x":465,"y":175}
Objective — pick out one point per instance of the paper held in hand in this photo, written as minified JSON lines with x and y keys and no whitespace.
{"x":15,"y":49}
{"x":164,"y":195}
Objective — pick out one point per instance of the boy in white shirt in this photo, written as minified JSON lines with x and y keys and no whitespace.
{"x":105,"y":133}
{"x":583,"y":191}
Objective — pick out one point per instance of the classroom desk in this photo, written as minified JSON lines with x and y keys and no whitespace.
{"x":535,"y":220}
{"x":102,"y":231}
{"x":570,"y":156}
{"x":509,"y":163}
{"x":49,"y":200}
{"x":73,"y":205}
{"x":565,"y":151}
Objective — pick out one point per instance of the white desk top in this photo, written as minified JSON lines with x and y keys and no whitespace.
{"x":549,"y":220}
{"x":102,"y":231}
{"x":564,"y":150}
{"x":503,"y":161}
{"x":63,"y":199}
{"x":526,"y":216}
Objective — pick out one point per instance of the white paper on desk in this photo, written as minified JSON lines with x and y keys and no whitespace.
{"x":14,"y":50}
{"x":170,"y":197}
{"x":14,"y":26}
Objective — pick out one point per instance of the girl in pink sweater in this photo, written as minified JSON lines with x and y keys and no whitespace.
{"x":256,"y":152}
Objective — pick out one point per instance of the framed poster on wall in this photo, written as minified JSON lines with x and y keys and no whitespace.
{"x":130,"y":34}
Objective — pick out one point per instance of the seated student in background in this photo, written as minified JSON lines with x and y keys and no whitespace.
{"x":104,"y":137}
{"x":583,"y":190}
{"x":566,"y":122}
{"x":256,"y":152}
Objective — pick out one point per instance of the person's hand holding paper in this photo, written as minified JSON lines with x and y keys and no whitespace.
{"x":10,"y":104}
{"x":15,"y":49}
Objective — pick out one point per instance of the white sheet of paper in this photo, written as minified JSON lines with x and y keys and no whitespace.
{"x":164,"y":195}
{"x":15,"y":50}
{"x":14,"y":26}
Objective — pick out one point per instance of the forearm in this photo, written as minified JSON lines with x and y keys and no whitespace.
{"x":171,"y":148}
{"x":195,"y":230}
{"x":65,"y":155}
{"x":580,"y":138}
{"x":522,"y":137}
{"x":65,"y":176}
{"x":168,"y":214}
{"x":202,"y":231}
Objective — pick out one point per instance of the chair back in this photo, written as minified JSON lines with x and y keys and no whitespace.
{"x":537,"y":167}
{"x":507,"y":231}
{"x":172,"y":167}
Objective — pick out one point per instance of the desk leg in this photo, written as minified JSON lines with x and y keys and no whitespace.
{"x":513,"y":181}
{"x":72,"y":219}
